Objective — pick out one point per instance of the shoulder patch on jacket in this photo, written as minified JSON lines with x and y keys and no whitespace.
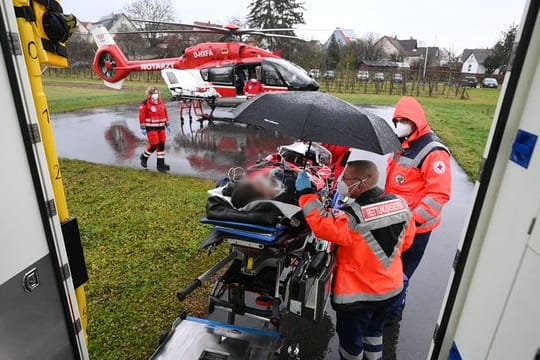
{"x":382,"y":209}
{"x":439,"y":167}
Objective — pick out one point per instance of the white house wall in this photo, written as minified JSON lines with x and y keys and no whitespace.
{"x":471,"y":66}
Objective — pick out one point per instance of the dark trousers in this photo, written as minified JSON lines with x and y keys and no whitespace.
{"x":360,"y":331}
{"x":411,"y":259}
{"x":412,"y":256}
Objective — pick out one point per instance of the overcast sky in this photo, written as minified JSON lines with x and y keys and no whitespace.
{"x":453,"y":24}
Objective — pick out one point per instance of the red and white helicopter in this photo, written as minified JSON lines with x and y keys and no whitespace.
{"x":223,"y":66}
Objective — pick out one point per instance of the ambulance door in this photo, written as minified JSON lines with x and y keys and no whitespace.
{"x":521,"y":315}
{"x":37,"y":318}
{"x":491,"y":309}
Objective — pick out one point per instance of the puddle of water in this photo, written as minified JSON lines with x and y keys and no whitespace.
{"x":112,"y":136}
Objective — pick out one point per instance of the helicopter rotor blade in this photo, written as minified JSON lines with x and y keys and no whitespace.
{"x":205,"y":27}
{"x":167,"y":32}
{"x":272,"y":35}
{"x":241,"y":31}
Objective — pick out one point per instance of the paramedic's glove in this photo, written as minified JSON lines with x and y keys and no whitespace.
{"x":303,"y":183}
{"x":168,"y":128}
{"x":143,"y":131}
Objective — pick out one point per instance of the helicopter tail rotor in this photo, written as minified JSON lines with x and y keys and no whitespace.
{"x":109,"y":62}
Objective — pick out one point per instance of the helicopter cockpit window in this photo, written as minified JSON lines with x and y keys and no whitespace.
{"x":271,"y":76}
{"x":221,"y":75}
{"x":293,"y":74}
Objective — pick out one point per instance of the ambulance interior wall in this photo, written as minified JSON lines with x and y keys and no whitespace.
{"x":497,"y":295}
{"x":32,"y":323}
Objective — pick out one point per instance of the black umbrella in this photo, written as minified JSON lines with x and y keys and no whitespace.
{"x":316,"y":116}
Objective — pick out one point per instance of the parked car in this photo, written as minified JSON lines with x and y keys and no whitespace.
{"x":470,"y":81}
{"x":362,"y":75}
{"x":397,"y":78}
{"x":378,"y":77}
{"x":315,"y":73}
{"x":490,"y":83}
{"x":329,"y":75}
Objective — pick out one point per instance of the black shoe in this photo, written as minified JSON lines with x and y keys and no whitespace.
{"x":144,"y":161}
{"x":162,"y":167}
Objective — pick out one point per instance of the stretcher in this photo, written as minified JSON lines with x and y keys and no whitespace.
{"x":269,"y":271}
{"x":192,"y":92}
{"x":275,"y":267}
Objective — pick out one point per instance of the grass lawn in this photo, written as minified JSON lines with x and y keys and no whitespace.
{"x":140,"y":233}
{"x":66,"y":94}
{"x":462,"y":124}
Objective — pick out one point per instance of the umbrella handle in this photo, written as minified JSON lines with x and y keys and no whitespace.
{"x":307,"y":152}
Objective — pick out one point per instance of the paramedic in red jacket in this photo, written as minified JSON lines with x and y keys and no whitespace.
{"x":340,"y":156}
{"x":253,"y":87}
{"x":421,"y":174}
{"x":154,"y":122}
{"x":370,"y":234}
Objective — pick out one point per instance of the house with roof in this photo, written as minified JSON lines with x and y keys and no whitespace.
{"x":343,"y":37}
{"x":82,"y":33}
{"x":473,"y":60}
{"x":408,"y":52}
{"x":116,"y":22}
{"x":399,"y":50}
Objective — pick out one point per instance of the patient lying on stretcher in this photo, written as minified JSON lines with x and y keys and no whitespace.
{"x":264,"y":193}
{"x":259,"y":188}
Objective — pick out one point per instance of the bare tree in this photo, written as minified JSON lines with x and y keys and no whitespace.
{"x":152,"y":10}
{"x":235,"y":20}
{"x":370,"y":49}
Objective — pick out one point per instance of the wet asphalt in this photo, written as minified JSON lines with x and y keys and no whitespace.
{"x":112,"y":136}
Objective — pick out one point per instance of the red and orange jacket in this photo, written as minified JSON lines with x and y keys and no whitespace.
{"x":340,"y":155}
{"x":421,"y":174}
{"x":153,"y":116}
{"x":253,"y":87}
{"x":371,"y":234}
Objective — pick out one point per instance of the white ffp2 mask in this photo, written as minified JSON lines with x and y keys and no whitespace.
{"x":343,"y":188}
{"x":154,"y":97}
{"x":403,"y":129}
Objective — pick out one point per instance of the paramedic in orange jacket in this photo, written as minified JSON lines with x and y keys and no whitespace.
{"x":370,"y":234}
{"x":421,"y":174}
{"x":154,"y":122}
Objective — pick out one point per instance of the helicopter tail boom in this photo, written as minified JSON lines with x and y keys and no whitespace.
{"x":113,"y":67}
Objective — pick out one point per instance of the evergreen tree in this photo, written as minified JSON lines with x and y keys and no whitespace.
{"x":333,"y":54}
{"x":272,"y":14}
{"x":501,"y":51}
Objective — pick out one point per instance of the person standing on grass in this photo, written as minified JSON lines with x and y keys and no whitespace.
{"x":154,"y":121}
{"x":421,"y":174}
{"x":370,"y":234}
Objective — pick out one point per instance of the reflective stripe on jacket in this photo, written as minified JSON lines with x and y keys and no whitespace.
{"x":371,"y":236}
{"x":153,"y":115}
{"x":422,"y":173}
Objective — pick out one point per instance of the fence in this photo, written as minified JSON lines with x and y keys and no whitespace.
{"x":436,"y":83}
{"x":86,"y":73}
{"x":413,"y":83}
